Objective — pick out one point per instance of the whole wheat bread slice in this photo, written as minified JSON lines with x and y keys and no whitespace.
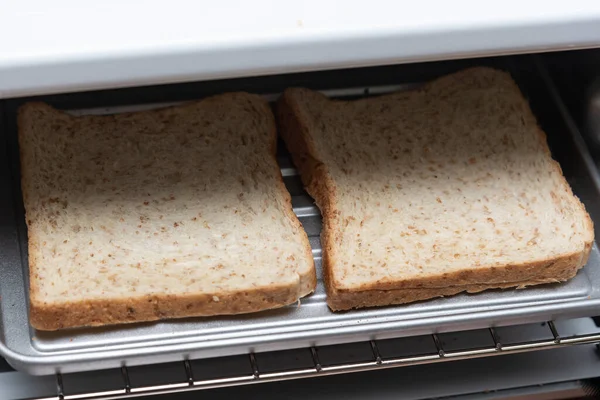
{"x":430,"y":192}
{"x":158,"y":214}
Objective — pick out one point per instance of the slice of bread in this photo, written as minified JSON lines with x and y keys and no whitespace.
{"x":158,"y":214}
{"x":430,"y":192}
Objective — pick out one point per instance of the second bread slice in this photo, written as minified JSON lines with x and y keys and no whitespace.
{"x":435,"y":191}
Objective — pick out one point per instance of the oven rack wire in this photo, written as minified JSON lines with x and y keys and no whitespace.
{"x":189,"y":381}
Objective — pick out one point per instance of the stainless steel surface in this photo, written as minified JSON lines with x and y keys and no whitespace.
{"x":294,"y":364}
{"x":308,"y":324}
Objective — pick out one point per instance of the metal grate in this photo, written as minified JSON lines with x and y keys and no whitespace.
{"x":378,"y":358}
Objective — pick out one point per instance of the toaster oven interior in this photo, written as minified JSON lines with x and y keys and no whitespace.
{"x":305,"y":342}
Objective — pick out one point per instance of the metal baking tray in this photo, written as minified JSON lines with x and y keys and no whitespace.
{"x":311,"y":323}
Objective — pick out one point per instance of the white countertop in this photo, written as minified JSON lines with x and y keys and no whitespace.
{"x":67,"y":45}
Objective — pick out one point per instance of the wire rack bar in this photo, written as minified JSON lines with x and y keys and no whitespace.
{"x":59,"y":386}
{"x":315,"y":357}
{"x":438,"y":345}
{"x":554,"y":332}
{"x":497,"y":343}
{"x":188,"y":372}
{"x":125,"y":374}
{"x":189,"y":381}
{"x":376,"y":352}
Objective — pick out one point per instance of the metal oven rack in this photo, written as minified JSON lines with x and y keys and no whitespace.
{"x":305,"y":363}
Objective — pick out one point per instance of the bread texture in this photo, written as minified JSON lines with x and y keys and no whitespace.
{"x":167,"y":213}
{"x":447,"y":188}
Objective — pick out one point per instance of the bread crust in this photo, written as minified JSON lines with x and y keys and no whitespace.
{"x":99,"y":311}
{"x":307,"y":282}
{"x":319,"y":184}
{"x":314,"y":176}
{"x":339,"y":300}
